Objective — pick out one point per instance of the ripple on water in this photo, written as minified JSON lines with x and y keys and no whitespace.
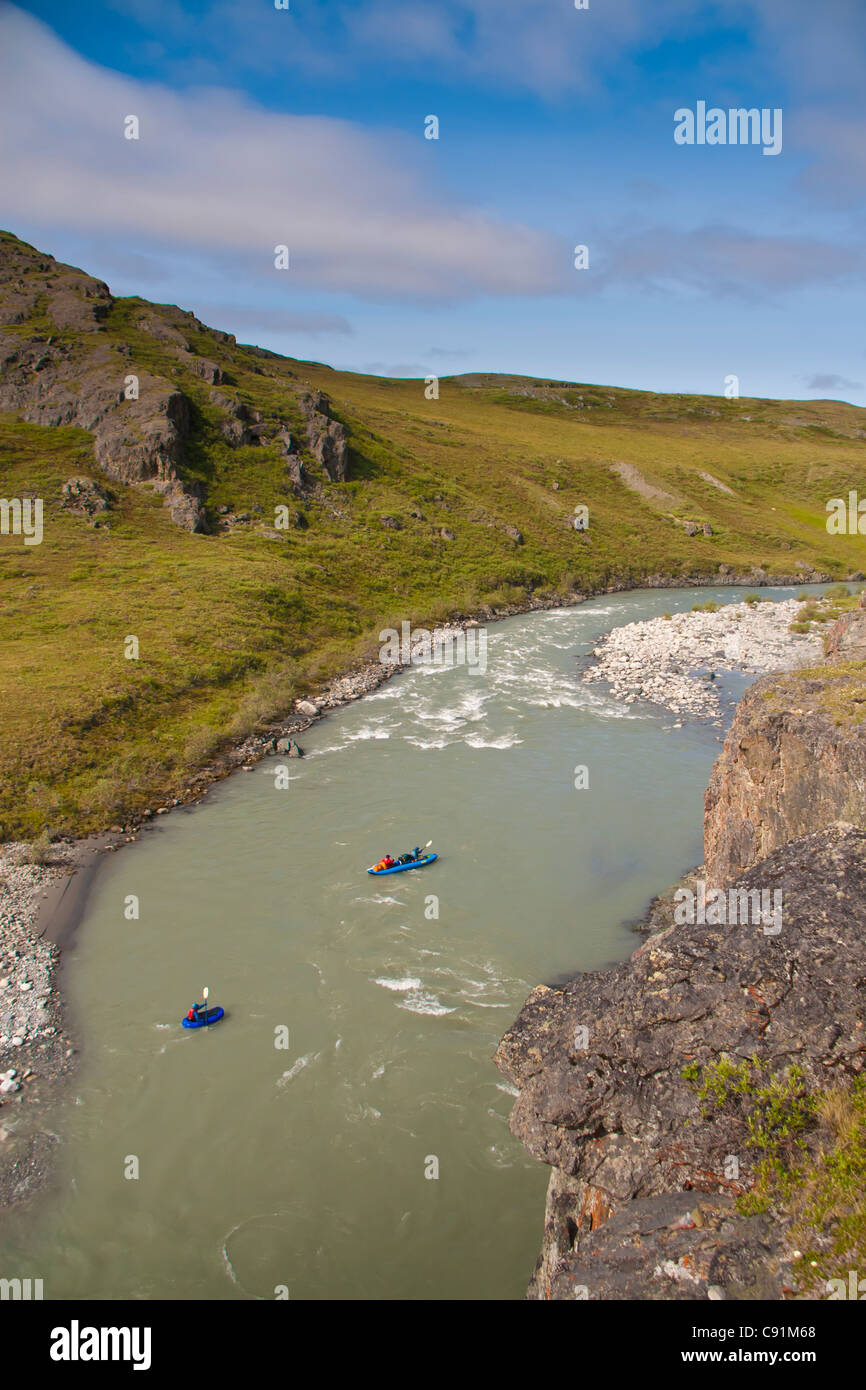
{"x":398,"y":985}
{"x":417,"y":1000}
{"x":297,"y":1067}
{"x":423,"y":1002}
{"x":505,"y":741}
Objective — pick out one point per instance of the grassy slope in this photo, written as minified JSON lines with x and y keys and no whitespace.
{"x":232,"y":626}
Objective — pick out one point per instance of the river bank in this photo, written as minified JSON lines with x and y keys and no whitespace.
{"x":37,"y":1052}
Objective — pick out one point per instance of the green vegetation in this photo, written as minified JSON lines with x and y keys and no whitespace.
{"x":837,"y":690}
{"x":39,"y":852}
{"x":235,"y":625}
{"x":836,"y":600}
{"x":810,"y":1150}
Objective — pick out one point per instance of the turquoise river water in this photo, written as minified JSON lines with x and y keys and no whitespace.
{"x":303,"y":1168}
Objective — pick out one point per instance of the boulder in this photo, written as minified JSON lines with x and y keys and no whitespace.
{"x":234,"y":431}
{"x":209,"y":371}
{"x":84,"y":496}
{"x":306,"y":707}
{"x":187,"y":510}
{"x":289,"y":747}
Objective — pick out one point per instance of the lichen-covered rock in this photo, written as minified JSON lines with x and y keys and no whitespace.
{"x":326,"y":436}
{"x":209,"y":371}
{"x":787,"y":768}
{"x":668,"y":1247}
{"x":84,"y":496}
{"x":143,"y":439}
{"x":611,"y":1109}
{"x":846,"y":640}
{"x":186,"y":509}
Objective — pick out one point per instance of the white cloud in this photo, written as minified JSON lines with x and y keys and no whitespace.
{"x":545,"y":46}
{"x":831,"y":381}
{"x":216,"y":174}
{"x":236,"y":318}
{"x":723,"y":260}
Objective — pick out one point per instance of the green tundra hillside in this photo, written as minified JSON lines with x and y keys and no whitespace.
{"x":253,"y":522}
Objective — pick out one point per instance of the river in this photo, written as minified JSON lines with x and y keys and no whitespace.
{"x":292,"y":1148}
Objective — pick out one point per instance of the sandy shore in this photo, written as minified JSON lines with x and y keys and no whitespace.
{"x":672,"y":661}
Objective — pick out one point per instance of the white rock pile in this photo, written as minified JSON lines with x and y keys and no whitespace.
{"x":26,"y":962}
{"x":667,"y":660}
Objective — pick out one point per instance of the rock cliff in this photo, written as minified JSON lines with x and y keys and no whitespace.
{"x":66,"y":359}
{"x":795,"y":758}
{"x":654,"y":1164}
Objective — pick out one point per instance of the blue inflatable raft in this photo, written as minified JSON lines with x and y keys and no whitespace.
{"x":398,"y":868}
{"x":204,"y":1020}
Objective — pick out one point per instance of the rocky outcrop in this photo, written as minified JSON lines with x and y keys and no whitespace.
{"x":678,"y":1246}
{"x":209,"y":371}
{"x":846,"y":640}
{"x":793,"y":760}
{"x":642,"y":1197}
{"x":294,"y":462}
{"x":62,"y":379}
{"x":326,"y":436}
{"x":84,"y":496}
{"x":599,"y":1065}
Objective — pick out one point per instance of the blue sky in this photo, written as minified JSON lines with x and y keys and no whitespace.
{"x":410,"y":256}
